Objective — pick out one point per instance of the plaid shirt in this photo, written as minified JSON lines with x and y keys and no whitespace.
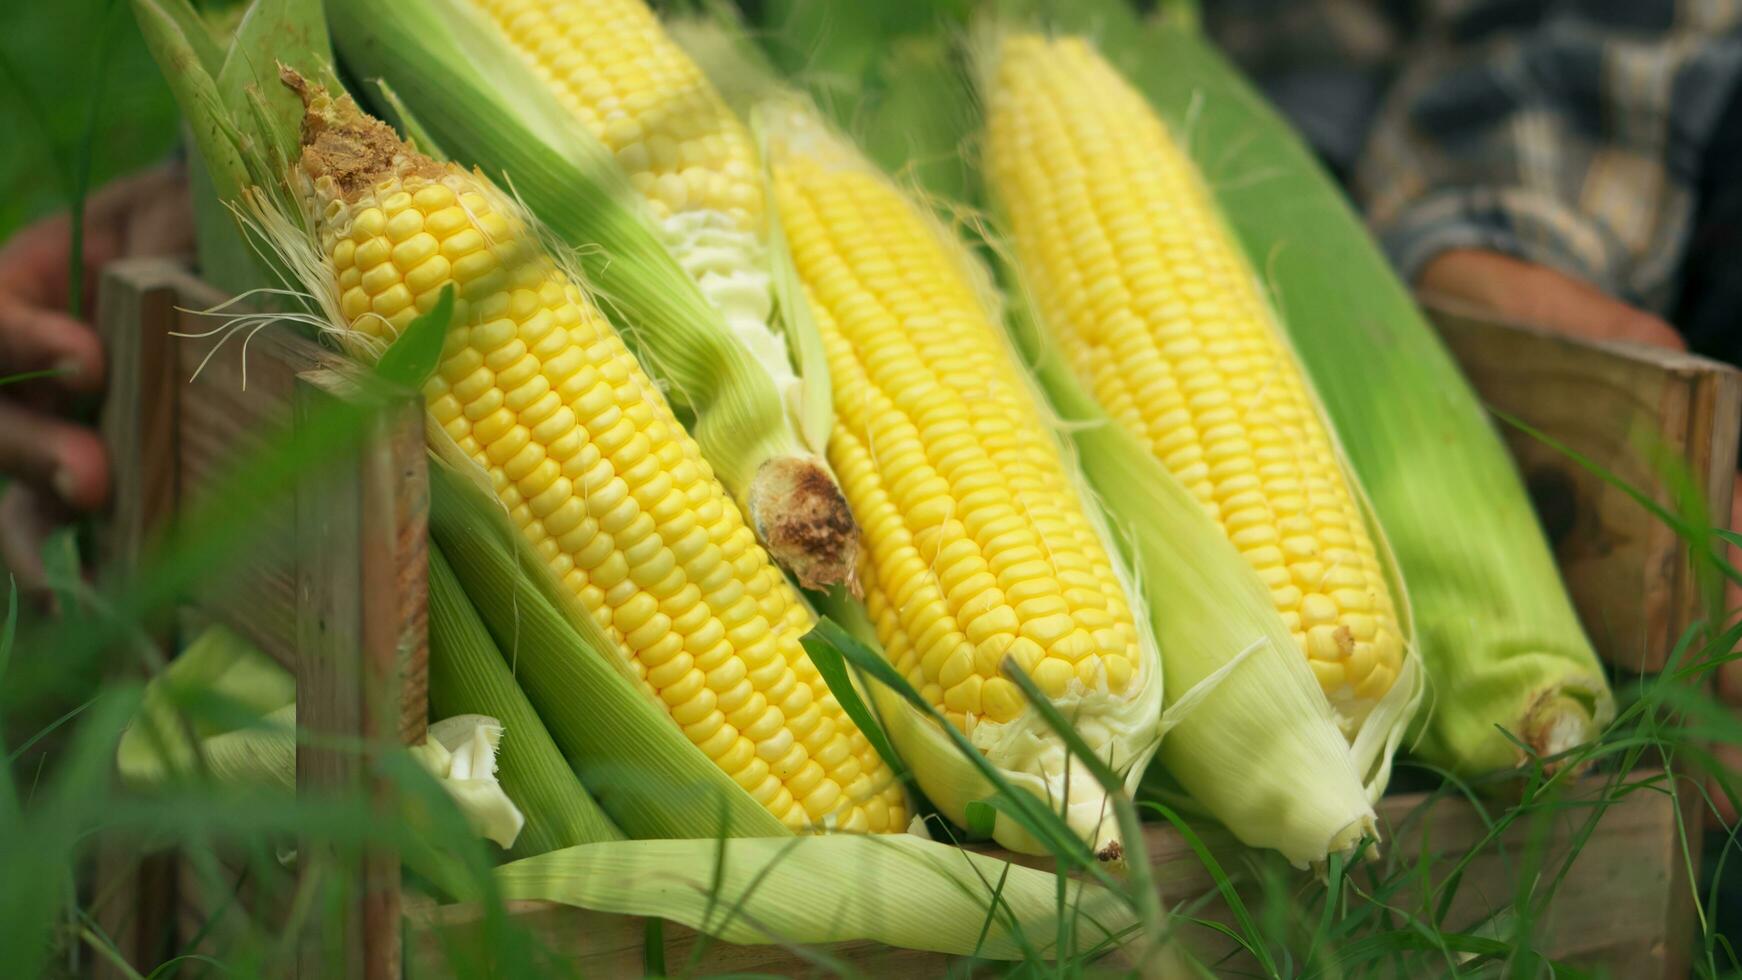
{"x":1567,"y":132}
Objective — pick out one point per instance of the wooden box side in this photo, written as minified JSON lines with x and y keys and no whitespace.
{"x":1633,"y":411}
{"x":335,"y":582}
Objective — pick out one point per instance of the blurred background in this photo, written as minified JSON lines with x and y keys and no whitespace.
{"x":56,"y":58}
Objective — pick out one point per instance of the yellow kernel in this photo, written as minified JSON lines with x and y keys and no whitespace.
{"x":1053,"y":677}
{"x":1317,"y":610}
{"x":1000,"y":699}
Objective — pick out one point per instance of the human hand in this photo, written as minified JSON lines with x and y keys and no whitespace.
{"x":1534,"y":294}
{"x":53,"y":467}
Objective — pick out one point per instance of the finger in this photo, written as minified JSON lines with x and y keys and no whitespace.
{"x":23,"y":528}
{"x":35,"y":339}
{"x":54,"y":457}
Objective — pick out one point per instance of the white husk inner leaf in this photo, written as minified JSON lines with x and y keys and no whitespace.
{"x":730,"y":267}
{"x":460,"y":752}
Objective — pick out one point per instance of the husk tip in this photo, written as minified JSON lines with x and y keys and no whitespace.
{"x":803,"y":519}
{"x":1557,"y":723}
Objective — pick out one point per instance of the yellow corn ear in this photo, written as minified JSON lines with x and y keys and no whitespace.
{"x":980,"y":546}
{"x":1154,"y":306}
{"x":589,"y":462}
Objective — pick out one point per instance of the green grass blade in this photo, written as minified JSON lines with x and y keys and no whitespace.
{"x":823,"y":645}
{"x":416,"y":353}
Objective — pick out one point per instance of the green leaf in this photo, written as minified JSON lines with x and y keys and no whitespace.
{"x":823,"y":643}
{"x":291,"y":33}
{"x":982,"y":816}
{"x":1026,"y":809}
{"x":406,"y":123}
{"x":9,"y":629}
{"x":8,"y":633}
{"x":418,"y":352}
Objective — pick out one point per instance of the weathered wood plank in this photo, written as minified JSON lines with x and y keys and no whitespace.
{"x":238,"y":401}
{"x":136,"y":312}
{"x":1627,"y":408}
{"x":360,"y":540}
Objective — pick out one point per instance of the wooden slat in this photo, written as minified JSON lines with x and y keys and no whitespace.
{"x":1609,"y":910}
{"x":138,"y":421}
{"x":1620,"y":405}
{"x":361,"y":600}
{"x":132,"y":892}
{"x":237,"y":401}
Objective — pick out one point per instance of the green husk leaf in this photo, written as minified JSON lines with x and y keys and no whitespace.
{"x":467,"y":676}
{"x":1494,"y":626}
{"x":631,"y":757}
{"x":898,"y":890}
{"x":403,"y":119}
{"x":198,"y":33}
{"x":274,"y":33}
{"x":245,"y":125}
{"x":225,"y":259}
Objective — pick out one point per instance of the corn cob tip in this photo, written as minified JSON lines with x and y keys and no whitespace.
{"x":342,"y":142}
{"x":800,"y":513}
{"x":1349,"y":838}
{"x":1556,"y":723}
{"x":1112,"y":852}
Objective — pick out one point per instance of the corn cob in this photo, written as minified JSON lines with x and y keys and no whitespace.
{"x":586,"y":457}
{"x":1498,"y":636}
{"x":979,"y":545}
{"x":1157,"y":311}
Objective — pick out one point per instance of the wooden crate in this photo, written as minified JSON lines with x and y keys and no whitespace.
{"x":336,"y":593}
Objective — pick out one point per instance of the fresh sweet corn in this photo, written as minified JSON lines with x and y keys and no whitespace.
{"x":979,"y":545}
{"x":584,"y":453}
{"x":1156,"y":309}
{"x":1508,"y":661}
